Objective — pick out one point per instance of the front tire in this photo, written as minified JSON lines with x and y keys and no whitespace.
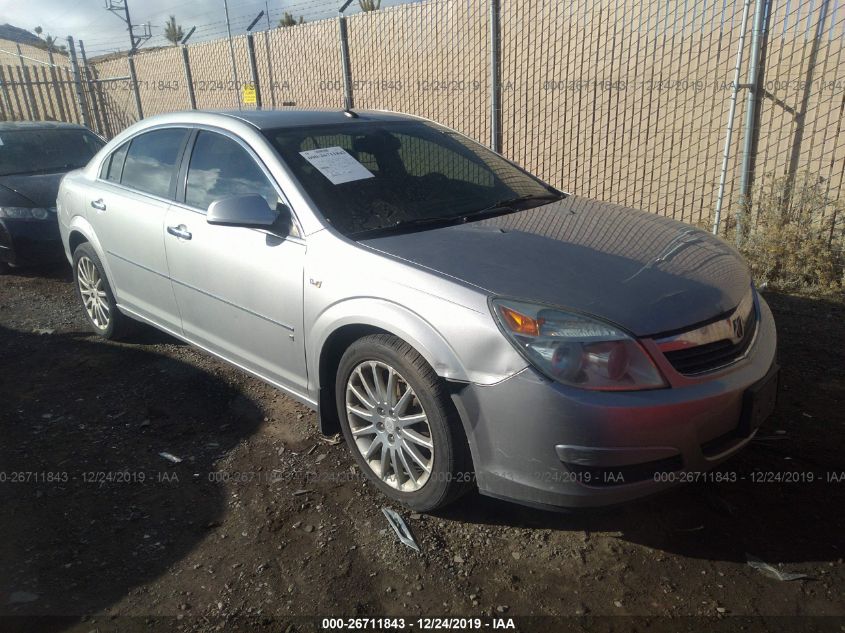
{"x":96,"y":296}
{"x":400,"y":424}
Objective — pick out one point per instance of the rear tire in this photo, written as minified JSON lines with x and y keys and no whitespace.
{"x":400,"y":424}
{"x":96,"y":296}
{"x":4,"y":268}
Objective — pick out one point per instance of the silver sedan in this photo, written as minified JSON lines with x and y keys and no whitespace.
{"x":461,"y":322}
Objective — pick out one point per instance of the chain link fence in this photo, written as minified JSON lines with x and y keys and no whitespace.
{"x":625,"y":101}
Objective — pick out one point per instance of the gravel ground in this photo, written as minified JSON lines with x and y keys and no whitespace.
{"x":264,"y":520}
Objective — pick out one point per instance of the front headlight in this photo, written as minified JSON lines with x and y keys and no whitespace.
{"x":24,"y":213}
{"x":576,"y":350}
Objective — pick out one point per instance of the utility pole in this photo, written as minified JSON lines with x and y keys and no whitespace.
{"x":232,"y":53}
{"x":121,"y":9}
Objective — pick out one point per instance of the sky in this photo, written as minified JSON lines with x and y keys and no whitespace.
{"x":103,"y":32}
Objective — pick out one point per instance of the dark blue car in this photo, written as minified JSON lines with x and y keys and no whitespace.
{"x":33,"y":158}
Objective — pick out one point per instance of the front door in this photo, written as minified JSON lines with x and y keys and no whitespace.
{"x":239,"y":290}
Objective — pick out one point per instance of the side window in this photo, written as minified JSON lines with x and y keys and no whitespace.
{"x":151,"y":161}
{"x":221,"y":168}
{"x":113,"y":166}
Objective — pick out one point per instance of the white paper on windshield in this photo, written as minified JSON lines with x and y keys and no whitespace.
{"x":336,"y":164}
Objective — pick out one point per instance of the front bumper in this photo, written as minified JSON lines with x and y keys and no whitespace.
{"x":30,"y":241}
{"x":538,"y":442}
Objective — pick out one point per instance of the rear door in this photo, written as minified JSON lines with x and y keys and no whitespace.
{"x":239,"y":290}
{"x":127,"y":210}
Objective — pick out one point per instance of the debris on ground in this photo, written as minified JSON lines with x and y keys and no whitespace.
{"x":401,"y":528}
{"x":170,"y":457}
{"x":771,"y":571}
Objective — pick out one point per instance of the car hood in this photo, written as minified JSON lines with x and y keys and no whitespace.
{"x":40,"y":189}
{"x":646,"y":273}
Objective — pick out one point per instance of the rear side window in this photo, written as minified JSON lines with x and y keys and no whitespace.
{"x":151,"y":161}
{"x":113,"y":165}
{"x":221,"y":168}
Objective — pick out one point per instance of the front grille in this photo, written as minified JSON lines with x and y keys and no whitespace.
{"x":710,"y":356}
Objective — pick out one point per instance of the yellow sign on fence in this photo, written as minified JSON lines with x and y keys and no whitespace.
{"x":249,"y":94}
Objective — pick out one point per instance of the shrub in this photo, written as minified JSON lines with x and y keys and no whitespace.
{"x":793,"y":234}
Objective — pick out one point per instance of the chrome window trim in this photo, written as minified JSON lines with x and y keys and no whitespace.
{"x":135,"y":192}
{"x":720,"y":330}
{"x":295,"y":239}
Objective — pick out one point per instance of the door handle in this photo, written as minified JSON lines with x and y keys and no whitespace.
{"x":99,"y":204}
{"x":180,"y":231}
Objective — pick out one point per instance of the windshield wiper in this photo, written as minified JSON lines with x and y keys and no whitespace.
{"x":502,"y":207}
{"x":407,"y":224}
{"x":509,"y":205}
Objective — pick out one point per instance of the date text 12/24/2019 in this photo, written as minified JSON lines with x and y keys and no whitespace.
{"x":425,"y":624}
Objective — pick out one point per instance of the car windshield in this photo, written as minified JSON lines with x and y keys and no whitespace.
{"x":43,"y":151}
{"x":372,"y":177}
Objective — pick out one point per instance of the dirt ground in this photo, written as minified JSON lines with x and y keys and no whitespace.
{"x":264,"y":522}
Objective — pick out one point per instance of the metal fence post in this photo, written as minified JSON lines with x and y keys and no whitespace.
{"x":753,"y":103}
{"x":189,"y":78}
{"x":6,"y":101}
{"x":31,"y":105}
{"x":726,"y":153}
{"x":92,"y":95}
{"x":77,"y":82}
{"x":60,"y":97}
{"x":495,"y":77}
{"x":133,"y":77}
{"x":348,"y":102}
{"x":253,"y":69}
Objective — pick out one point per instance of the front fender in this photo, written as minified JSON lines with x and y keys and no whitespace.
{"x":390,"y":317}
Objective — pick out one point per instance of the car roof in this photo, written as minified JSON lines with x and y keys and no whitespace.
{"x":6,"y":126}
{"x":271,"y":119}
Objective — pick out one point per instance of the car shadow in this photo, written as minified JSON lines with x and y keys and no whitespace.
{"x":60,"y":271}
{"x":790,"y":511}
{"x":93,"y":506}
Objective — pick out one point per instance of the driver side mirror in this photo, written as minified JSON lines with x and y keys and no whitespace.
{"x":250,"y":211}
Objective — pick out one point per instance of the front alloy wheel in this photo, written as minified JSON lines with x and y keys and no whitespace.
{"x":390,"y":426}
{"x":400,"y":423}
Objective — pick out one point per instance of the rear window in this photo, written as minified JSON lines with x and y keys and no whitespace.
{"x":44,"y":151}
{"x":151,"y":161}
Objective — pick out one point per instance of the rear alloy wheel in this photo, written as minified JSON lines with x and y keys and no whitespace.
{"x":400,"y":424}
{"x":93,"y":293}
{"x":96,"y":296}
